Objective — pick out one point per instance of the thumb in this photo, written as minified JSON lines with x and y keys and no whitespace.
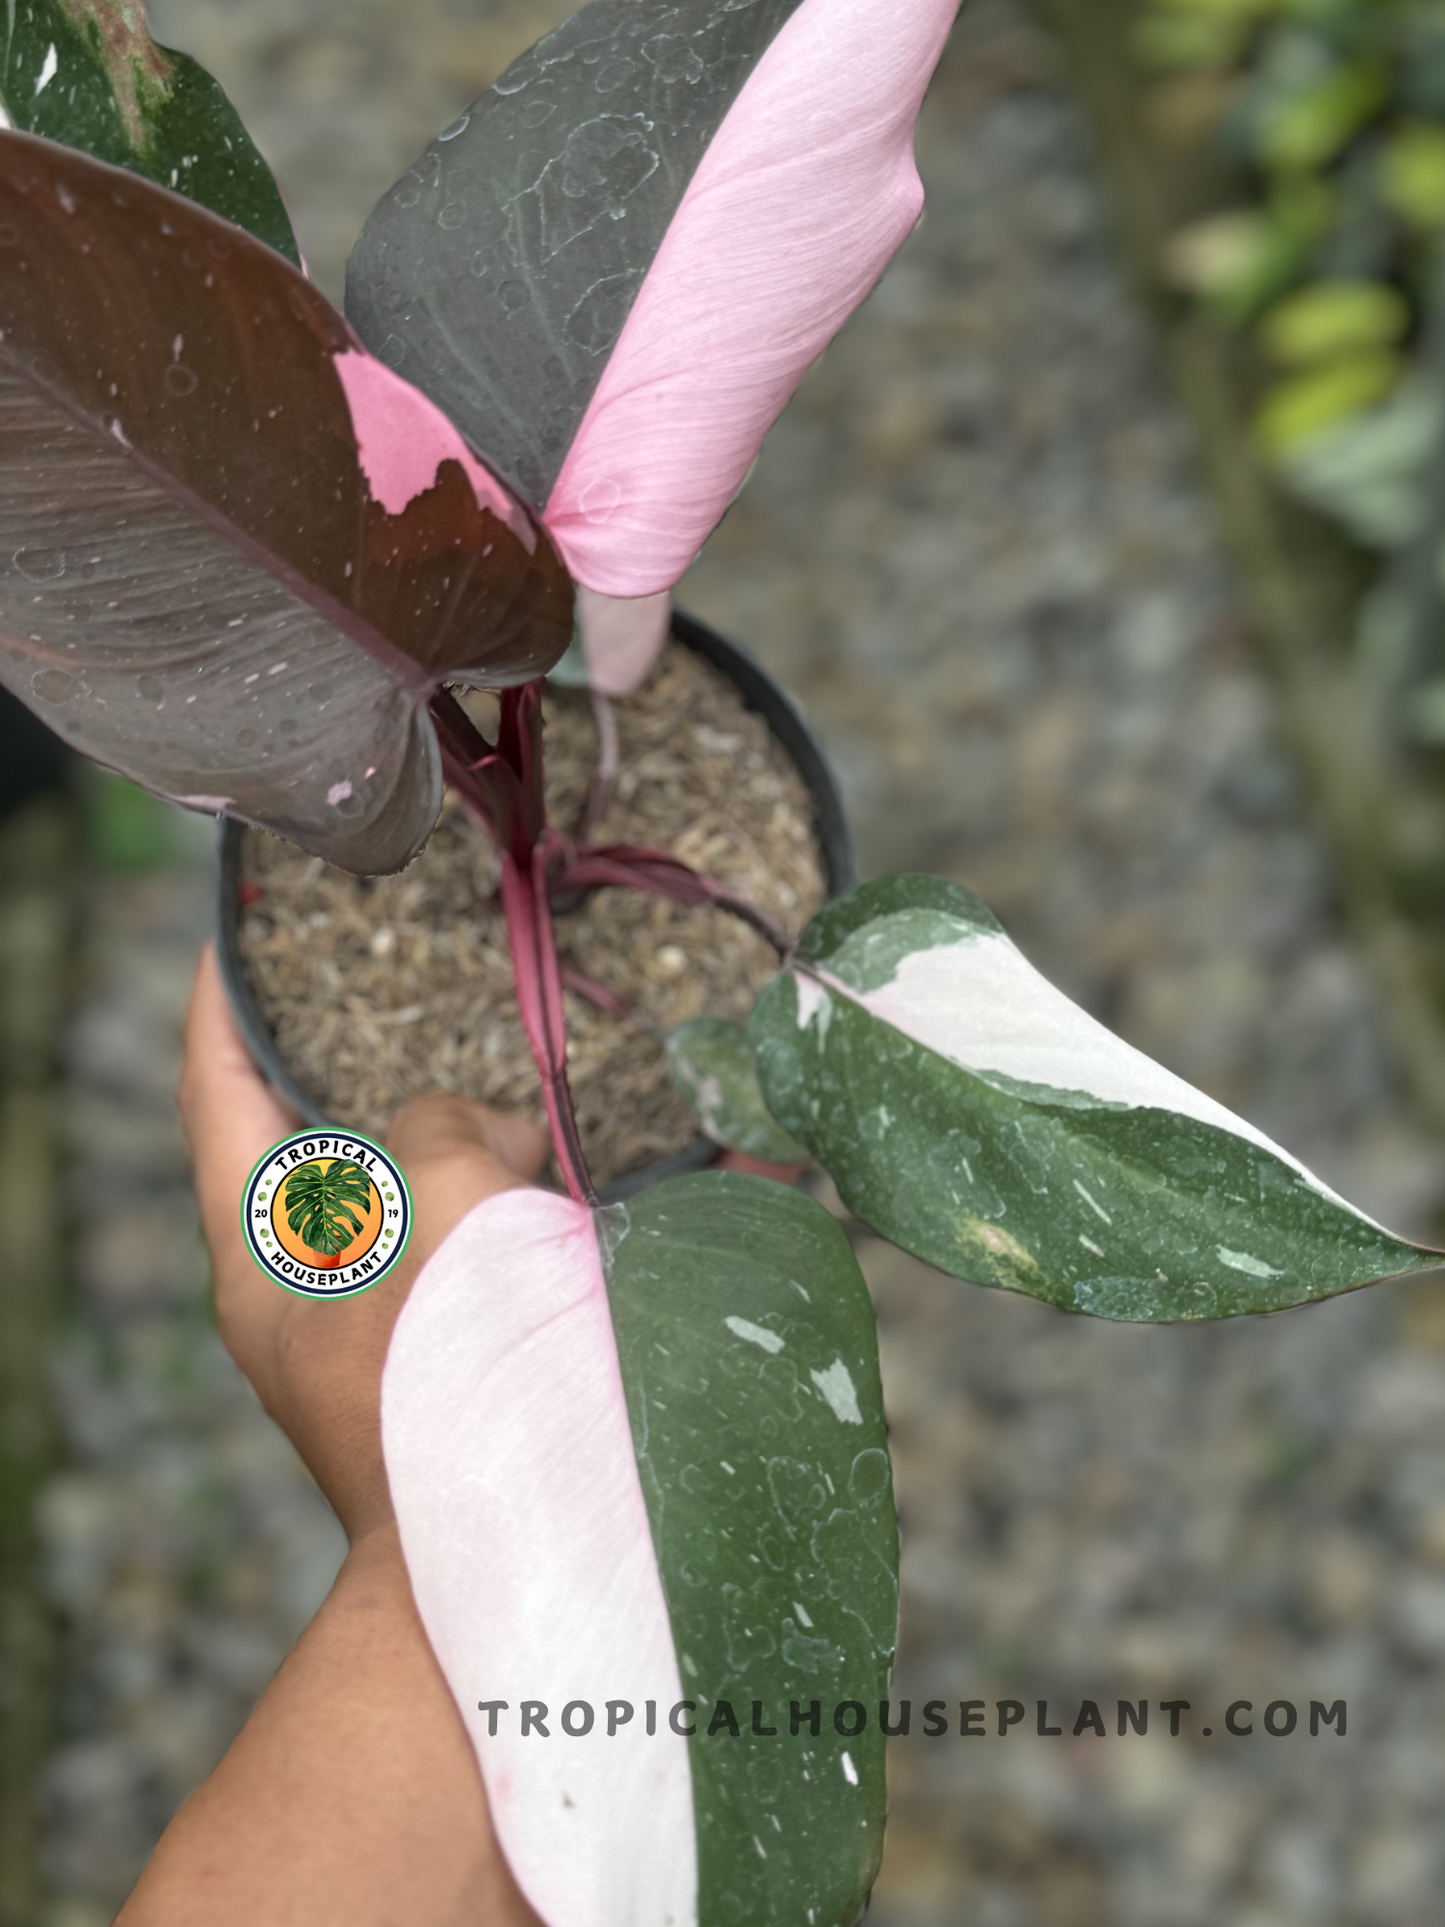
{"x":456,"y":1154}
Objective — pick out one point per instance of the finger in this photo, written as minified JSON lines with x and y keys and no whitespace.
{"x":456,"y":1154}
{"x":232,"y":1117}
{"x":443,"y":1124}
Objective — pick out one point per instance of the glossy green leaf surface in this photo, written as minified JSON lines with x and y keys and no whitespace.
{"x":712,"y":1066}
{"x":971,"y":1113}
{"x":226,"y":573}
{"x":86,"y":72}
{"x":749,"y":1362}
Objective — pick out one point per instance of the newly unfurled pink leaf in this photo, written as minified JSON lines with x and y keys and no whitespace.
{"x":797,"y":206}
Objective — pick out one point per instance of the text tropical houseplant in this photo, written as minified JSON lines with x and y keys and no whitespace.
{"x":251,"y":549}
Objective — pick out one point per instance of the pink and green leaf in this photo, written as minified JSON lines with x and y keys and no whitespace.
{"x":639,"y":1455}
{"x":615,"y":267}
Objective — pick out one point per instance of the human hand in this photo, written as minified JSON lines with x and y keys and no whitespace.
{"x":352,"y":1796}
{"x":316,"y":1364}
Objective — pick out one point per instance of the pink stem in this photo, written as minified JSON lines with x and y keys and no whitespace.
{"x":607,"y":1001}
{"x":503,"y":786}
{"x":604,"y":777}
{"x":519,"y":751}
{"x":637,"y":866}
{"x":539,"y":996}
{"x":465,"y":754}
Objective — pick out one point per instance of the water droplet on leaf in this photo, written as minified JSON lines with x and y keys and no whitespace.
{"x":55,"y":685}
{"x":39,"y":564}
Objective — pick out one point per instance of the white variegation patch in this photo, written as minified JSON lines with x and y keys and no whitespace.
{"x":837,"y":1388}
{"x":1246,"y":1262}
{"x":982,"y":1005}
{"x":753,"y":1334}
{"x":812,"y":998}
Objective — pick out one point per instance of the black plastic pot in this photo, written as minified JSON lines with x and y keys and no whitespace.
{"x":760,"y":693}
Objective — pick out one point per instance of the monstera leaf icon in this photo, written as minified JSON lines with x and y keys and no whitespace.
{"x":319,"y":1200}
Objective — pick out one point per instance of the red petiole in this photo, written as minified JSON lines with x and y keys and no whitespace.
{"x":636,"y":866}
{"x":539,"y":997}
{"x":502,"y":783}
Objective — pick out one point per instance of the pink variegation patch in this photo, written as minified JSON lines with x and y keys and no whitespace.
{"x":402,"y":439}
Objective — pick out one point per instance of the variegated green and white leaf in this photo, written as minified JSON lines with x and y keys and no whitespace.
{"x":712,"y":1066}
{"x":638,"y":1456}
{"x":970,"y":1112}
{"x":87,"y":73}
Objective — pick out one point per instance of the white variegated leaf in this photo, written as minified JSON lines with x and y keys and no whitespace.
{"x":970,"y":1112}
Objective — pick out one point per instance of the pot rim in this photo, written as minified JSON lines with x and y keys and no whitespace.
{"x":761,"y":693}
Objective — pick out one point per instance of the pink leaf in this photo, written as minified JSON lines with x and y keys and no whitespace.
{"x":792,"y":215}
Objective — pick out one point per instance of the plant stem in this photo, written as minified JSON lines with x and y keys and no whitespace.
{"x":503,"y":785}
{"x":637,"y":866}
{"x":598,"y":995}
{"x":604,"y":777}
{"x":465,"y":752}
{"x":519,"y":749}
{"x":539,"y":996}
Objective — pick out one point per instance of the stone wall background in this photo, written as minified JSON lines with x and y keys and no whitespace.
{"x":977,"y":550}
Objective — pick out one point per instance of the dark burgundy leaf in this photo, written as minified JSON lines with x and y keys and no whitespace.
{"x":237,"y":555}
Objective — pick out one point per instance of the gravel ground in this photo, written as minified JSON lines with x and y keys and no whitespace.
{"x":976,"y":548}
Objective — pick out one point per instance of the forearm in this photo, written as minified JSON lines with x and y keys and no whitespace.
{"x":352,"y":1795}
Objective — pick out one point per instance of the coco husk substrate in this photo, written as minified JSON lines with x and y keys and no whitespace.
{"x":380,"y":989}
